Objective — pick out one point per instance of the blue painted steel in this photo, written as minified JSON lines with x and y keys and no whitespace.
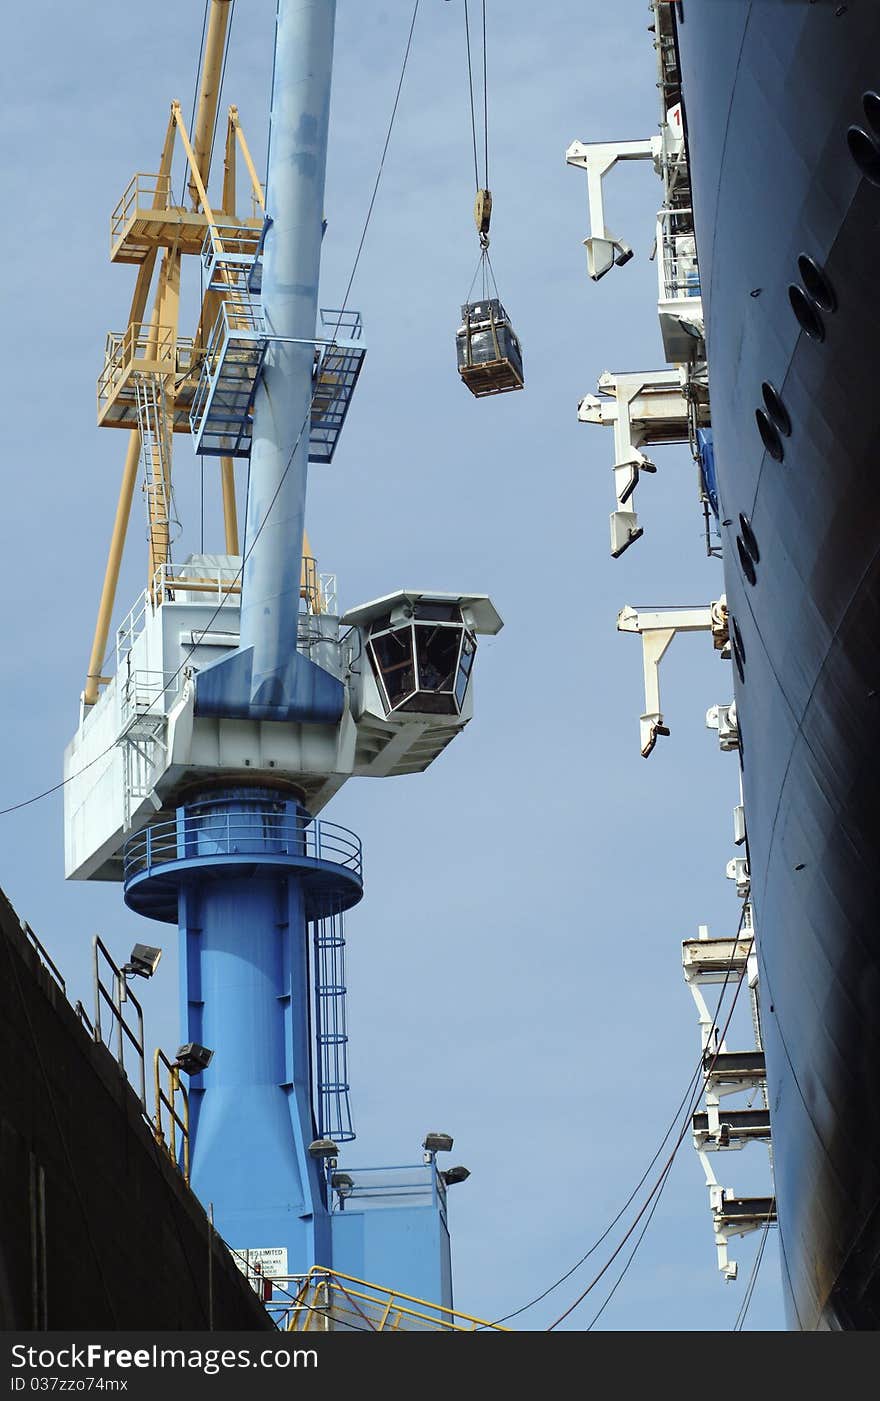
{"x":392,"y":1230}
{"x":706,"y":450}
{"x":220,"y":843}
{"x":291,"y":265}
{"x":243,"y":871}
{"x":336,"y":374}
{"x":332,"y":1103}
{"x":267,"y":678}
{"x":220,"y":416}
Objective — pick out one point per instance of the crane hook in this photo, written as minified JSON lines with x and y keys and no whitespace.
{"x":483,"y":216}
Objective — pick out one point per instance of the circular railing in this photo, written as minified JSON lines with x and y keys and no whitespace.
{"x":217,"y":835}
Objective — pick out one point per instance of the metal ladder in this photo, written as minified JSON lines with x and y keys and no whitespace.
{"x":332,"y":1104}
{"x":156,"y":461}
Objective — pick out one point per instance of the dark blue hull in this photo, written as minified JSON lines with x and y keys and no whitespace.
{"x":771,"y":88}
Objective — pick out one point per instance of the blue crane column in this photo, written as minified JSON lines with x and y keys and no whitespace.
{"x":243,"y":868}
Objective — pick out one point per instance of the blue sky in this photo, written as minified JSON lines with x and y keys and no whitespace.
{"x":514,"y":970}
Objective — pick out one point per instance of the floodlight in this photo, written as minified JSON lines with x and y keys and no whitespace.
{"x":438,"y":1143}
{"x":193,"y":1058}
{"x":144,"y":961}
{"x":455,"y":1174}
{"x":323,"y":1148}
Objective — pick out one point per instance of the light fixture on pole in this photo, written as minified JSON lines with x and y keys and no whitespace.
{"x":143,"y":962}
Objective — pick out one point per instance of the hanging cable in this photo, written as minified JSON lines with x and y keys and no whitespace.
{"x":639,"y":1238}
{"x":660,"y":1183}
{"x":610,"y":1227}
{"x":658,"y":1186}
{"x":753,"y":1279}
{"x":687,"y":1098}
{"x":467,"y":35}
{"x":192,"y":115}
{"x":485,"y":104}
{"x":222,"y":78}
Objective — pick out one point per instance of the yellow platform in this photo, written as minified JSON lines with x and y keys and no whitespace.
{"x":145,"y":218}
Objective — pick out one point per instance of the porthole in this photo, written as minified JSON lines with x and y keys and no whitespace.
{"x":865,"y":151}
{"x":806,"y":313}
{"x":776,"y":409}
{"x":748,"y":537}
{"x":737,"y":637}
{"x":871,"y":104}
{"x":769,"y":435}
{"x":818,"y":287}
{"x":745,"y":559}
{"x":738,"y":659}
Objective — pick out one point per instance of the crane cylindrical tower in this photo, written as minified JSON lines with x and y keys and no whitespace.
{"x":245,"y":868}
{"x":282,"y":405}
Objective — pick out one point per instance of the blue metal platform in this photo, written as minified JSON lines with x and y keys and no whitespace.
{"x":220,"y":418}
{"x":220,"y":845}
{"x":221,"y":415}
{"x":338,"y":363}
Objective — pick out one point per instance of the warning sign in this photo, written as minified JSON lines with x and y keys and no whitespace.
{"x":270,"y":1261}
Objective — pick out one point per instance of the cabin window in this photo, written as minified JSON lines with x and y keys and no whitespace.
{"x":423,"y":666}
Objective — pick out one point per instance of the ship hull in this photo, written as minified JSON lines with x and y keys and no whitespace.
{"x":770,"y":91}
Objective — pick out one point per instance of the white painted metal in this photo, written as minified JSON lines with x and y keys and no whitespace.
{"x":706,"y":962}
{"x":597,"y":159}
{"x":657,"y":630}
{"x":142,"y":742}
{"x":723,"y":719}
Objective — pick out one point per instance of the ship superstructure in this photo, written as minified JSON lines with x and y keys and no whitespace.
{"x":783,"y":201}
{"x":242,"y":700}
{"x":657,"y":408}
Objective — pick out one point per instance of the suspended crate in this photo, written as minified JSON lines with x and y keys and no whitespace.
{"x":489,"y":353}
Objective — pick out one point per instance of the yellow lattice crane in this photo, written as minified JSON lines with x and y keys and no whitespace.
{"x":151,"y":372}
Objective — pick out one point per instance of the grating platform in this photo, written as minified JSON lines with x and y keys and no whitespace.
{"x":222,"y":405}
{"x":220,"y":418}
{"x":337,"y":368}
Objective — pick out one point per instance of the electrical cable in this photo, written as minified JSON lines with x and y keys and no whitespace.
{"x":658,"y":1186}
{"x":639,"y":1238}
{"x":15,"y":807}
{"x":192,"y":115}
{"x":753,"y":1279}
{"x":220,"y":89}
{"x":610,"y":1227}
{"x":688,"y":1096}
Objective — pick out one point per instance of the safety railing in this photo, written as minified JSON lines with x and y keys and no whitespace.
{"x":115,"y":1001}
{"x":340,"y":325}
{"x":228,"y":254}
{"x":42,"y":954}
{"x":677,"y":254}
{"x":157,"y":347}
{"x":328,"y":1301}
{"x":145,"y":694}
{"x":176,"y":1120}
{"x":212,"y":584}
{"x":387,"y":1188}
{"x":143,"y":192}
{"x":218,"y":833}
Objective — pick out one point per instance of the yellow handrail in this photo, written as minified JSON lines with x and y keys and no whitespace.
{"x":175,"y":1088}
{"x":381,"y":1309}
